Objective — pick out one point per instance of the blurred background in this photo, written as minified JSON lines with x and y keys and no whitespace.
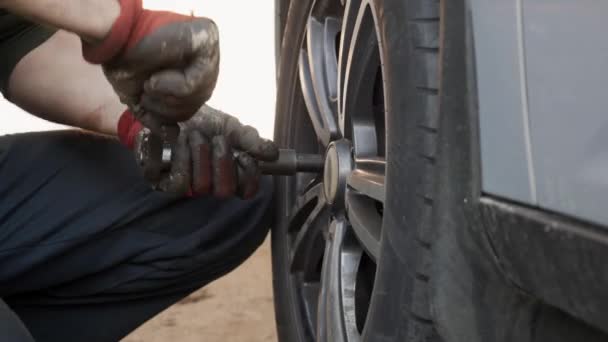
{"x":239,"y":306}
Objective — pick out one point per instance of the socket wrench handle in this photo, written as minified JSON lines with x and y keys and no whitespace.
{"x":290,"y":162}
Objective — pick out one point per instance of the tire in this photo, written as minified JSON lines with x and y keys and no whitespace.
{"x":286,"y":319}
{"x":437,"y":278}
{"x":280,"y":9}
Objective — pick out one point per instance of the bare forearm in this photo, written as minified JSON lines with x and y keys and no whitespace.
{"x":90,"y":19}
{"x":55,"y":83}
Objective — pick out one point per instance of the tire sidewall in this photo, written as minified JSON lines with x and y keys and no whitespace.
{"x":286,"y":315}
{"x":397,"y":292}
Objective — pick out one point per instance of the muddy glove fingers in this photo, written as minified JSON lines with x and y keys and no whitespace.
{"x":224,"y":173}
{"x":233,"y":175}
{"x":216,"y":168}
{"x":181,"y":65}
{"x":204,"y":160}
{"x":149,"y":121}
{"x":246,"y":138}
{"x":248,"y":175}
{"x":161,"y":63}
{"x":213,"y":122}
{"x":200,"y":151}
{"x":171,"y":92}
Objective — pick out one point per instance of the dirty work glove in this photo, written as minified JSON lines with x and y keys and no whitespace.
{"x":214,"y":155}
{"x":163,"y":65}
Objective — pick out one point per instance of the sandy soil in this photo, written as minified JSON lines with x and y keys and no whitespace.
{"x":236,"y":308}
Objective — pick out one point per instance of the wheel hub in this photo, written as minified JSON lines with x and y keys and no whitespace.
{"x":338,"y":165}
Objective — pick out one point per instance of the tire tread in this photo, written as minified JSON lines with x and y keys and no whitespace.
{"x":425,"y":42}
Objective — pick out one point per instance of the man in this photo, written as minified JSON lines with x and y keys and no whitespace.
{"x":89,"y":249}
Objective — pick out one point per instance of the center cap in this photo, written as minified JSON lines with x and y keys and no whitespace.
{"x":338,"y":165}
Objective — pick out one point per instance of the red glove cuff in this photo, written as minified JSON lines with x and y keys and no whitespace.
{"x":133,"y":24}
{"x":150,"y":21}
{"x":127,"y":129}
{"x":113,"y":44}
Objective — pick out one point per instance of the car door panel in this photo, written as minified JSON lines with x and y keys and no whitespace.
{"x":567,"y":68}
{"x":502,"y":114}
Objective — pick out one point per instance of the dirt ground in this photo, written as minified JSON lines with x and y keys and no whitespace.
{"x":236,"y":308}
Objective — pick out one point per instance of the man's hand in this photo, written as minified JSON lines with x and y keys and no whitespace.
{"x":214,"y":154}
{"x":163,"y":65}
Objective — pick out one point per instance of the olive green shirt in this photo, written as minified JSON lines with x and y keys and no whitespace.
{"x":17,"y":38}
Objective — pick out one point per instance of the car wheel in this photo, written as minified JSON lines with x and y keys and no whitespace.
{"x":357,"y":82}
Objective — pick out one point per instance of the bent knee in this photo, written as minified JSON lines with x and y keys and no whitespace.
{"x":265,"y":192}
{"x":262,"y":203}
{"x":260,"y":215}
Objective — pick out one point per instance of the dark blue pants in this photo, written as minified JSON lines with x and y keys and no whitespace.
{"x":88,"y":252}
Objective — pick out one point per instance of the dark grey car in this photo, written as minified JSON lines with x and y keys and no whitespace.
{"x":465,"y":189}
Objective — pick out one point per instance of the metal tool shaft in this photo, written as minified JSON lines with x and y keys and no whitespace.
{"x":290,"y":163}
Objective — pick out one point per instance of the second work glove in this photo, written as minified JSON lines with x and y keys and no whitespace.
{"x":214,"y":154}
{"x":163,"y":65}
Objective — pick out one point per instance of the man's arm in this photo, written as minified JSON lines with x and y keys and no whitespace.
{"x":89,"y":19}
{"x":55,"y":83}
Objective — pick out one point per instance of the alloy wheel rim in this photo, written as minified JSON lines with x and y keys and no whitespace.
{"x":336,"y":222}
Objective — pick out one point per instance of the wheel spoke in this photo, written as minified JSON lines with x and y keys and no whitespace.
{"x":366,"y":222}
{"x":317,"y":74}
{"x":304,"y":205}
{"x":369,"y":177}
{"x":350,"y":258}
{"x":323,"y":67}
{"x":306,"y":250}
{"x":310,"y":293}
{"x":308,"y":93}
{"x":323,"y":303}
{"x":330,"y":34}
{"x":309,"y":242}
{"x":336,"y":302}
{"x":348,"y":23}
{"x":357,"y":106}
{"x":363,"y":136}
